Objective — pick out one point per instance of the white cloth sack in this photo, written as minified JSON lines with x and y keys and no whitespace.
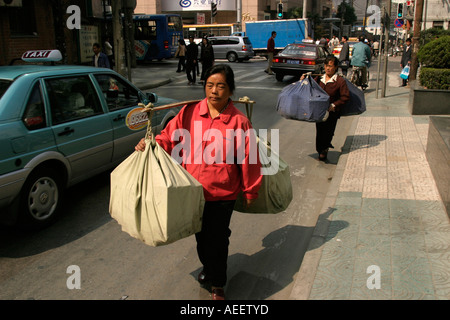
{"x":154,"y":199}
{"x":275,"y":193}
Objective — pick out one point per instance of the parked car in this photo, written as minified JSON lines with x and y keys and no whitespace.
{"x":60,"y":125}
{"x":298,"y":58}
{"x":233,"y":48}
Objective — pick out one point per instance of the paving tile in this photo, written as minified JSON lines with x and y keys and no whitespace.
{"x":412,"y":274}
{"x":375,"y":207}
{"x":371,"y":245}
{"x":375,"y":226}
{"x":441,"y":273}
{"x":388,"y":213}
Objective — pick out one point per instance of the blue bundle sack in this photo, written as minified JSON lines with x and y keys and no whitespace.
{"x":304,"y":100}
{"x":357,"y":102}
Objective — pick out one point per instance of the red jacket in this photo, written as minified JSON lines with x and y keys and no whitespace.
{"x":271,"y":45}
{"x":200,"y":154}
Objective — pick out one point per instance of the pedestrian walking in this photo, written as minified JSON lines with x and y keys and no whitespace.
{"x":191,"y":60}
{"x":344,"y":56}
{"x":99,"y":59}
{"x":270,"y":52}
{"x":336,"y":87}
{"x":206,"y":57}
{"x":181,"y":55}
{"x":334,"y":42}
{"x":222,"y":181}
{"x":109,"y":52}
{"x":406,"y":59}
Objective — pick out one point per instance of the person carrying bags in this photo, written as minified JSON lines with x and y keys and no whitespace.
{"x":222,"y":181}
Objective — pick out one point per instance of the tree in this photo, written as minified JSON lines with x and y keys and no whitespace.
{"x":347,"y":12}
{"x":294,"y":13}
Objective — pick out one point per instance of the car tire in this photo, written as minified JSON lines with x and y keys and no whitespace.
{"x":279,"y":76}
{"x":232,"y":57}
{"x":40,"y":198}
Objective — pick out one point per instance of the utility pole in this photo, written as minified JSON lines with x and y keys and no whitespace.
{"x":305,"y":17}
{"x":416,"y":36}
{"x":119,"y":52}
{"x":387,"y":25}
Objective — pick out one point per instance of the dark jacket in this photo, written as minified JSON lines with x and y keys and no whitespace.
{"x":406,"y":56}
{"x":103,"y":61}
{"x":191,"y":52}
{"x":337,"y":90}
{"x":207,"y":55}
{"x":271,"y":45}
{"x":344,"y":55}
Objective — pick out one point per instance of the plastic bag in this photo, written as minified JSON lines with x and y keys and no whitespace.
{"x":357,"y":102}
{"x":275,"y":193}
{"x":154,"y":198}
{"x":405,"y":72}
{"x":304,"y":100}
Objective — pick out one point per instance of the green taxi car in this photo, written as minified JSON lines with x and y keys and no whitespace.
{"x":60,"y":125}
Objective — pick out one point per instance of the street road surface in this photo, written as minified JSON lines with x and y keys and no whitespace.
{"x":266,"y":251}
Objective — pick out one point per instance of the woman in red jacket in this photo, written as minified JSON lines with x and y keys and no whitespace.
{"x":209,"y":137}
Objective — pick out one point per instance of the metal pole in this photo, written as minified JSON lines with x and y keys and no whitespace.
{"x":239,"y":14}
{"x":386,"y":45}
{"x":304,"y":17}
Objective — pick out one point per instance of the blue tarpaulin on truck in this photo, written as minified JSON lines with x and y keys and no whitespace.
{"x":288,"y":31}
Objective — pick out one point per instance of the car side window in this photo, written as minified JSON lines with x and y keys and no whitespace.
{"x":72,"y":98}
{"x":118,"y":93}
{"x":34,"y":116}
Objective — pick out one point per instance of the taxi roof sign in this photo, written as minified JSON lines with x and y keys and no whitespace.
{"x":42,"y":56}
{"x":308,"y":41}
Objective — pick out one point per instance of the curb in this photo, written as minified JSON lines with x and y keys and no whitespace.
{"x":305,"y":277}
{"x":155,"y":84}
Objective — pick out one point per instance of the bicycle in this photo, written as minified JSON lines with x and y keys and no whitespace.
{"x":357,"y":79}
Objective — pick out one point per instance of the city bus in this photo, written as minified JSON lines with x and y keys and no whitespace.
{"x":200,"y":30}
{"x":156,"y":36}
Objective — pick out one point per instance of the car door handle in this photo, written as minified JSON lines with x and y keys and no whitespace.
{"x":118,"y":118}
{"x":66,"y":132}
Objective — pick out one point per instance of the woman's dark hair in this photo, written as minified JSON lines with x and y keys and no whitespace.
{"x":332,"y":58}
{"x":226,"y":71}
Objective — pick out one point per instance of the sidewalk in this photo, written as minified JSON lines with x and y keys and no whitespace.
{"x":383,"y":232}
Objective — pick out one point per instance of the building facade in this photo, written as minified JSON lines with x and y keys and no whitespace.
{"x":43,"y":25}
{"x":230,"y":11}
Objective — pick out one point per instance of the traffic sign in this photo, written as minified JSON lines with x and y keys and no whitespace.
{"x":399,"y":23}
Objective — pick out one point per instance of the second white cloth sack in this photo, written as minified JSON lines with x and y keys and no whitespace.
{"x":154,"y":198}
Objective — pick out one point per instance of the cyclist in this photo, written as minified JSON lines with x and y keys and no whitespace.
{"x":361,"y":58}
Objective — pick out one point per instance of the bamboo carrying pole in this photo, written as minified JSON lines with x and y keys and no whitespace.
{"x":245,"y":100}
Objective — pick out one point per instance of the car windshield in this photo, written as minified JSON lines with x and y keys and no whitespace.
{"x":299,"y":50}
{"x":4,"y":85}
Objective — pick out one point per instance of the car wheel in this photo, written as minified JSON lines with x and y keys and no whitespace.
{"x":232,"y":57}
{"x":279,"y":76}
{"x":41,"y":197}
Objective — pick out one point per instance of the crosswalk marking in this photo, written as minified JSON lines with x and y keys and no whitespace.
{"x":259,"y":76}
